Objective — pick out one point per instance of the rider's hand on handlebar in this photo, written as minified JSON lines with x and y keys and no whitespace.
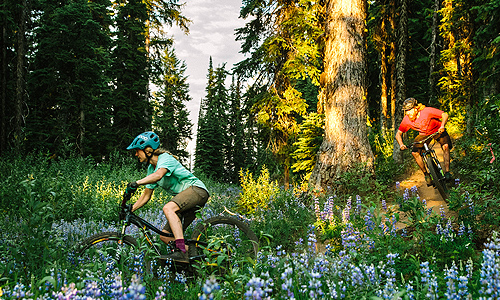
{"x":131,"y":187}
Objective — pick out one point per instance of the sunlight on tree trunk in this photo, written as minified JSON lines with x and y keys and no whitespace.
{"x":344,"y":94}
{"x":402,"y":39}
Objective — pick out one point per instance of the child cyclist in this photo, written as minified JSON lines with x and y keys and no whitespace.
{"x":189,"y":193}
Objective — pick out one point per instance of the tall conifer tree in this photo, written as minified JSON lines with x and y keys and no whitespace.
{"x":132,"y":111}
{"x":68,"y":86}
{"x":212,"y":128}
{"x":171,"y":118}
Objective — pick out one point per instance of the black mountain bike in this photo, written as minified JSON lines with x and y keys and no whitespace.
{"x":228,"y":236}
{"x":433,"y":166}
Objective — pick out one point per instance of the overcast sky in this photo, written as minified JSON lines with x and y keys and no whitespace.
{"x":211,"y":33}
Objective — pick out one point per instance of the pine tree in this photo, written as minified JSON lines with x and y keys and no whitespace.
{"x":211,"y":139}
{"x":235,"y":147}
{"x":68,"y":86}
{"x":131,"y":107}
{"x":170,"y":120}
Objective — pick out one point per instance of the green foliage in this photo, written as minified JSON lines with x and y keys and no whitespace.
{"x":256,"y":194}
{"x":72,"y":188}
{"x":70,"y":90}
{"x":356,"y":181}
{"x":284,"y":222}
{"x":309,"y":141}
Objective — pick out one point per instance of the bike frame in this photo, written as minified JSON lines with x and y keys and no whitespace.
{"x":130,"y":218}
{"x":429,"y":152}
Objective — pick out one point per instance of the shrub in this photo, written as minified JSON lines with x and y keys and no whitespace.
{"x":256,"y":194}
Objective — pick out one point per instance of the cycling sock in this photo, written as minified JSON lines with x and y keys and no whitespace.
{"x":180,"y":245}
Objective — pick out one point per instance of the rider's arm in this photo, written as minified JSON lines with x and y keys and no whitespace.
{"x":399,"y":139}
{"x":444,"y":119}
{"x":146,"y":195}
{"x":153,"y":177}
{"x":143,"y":199}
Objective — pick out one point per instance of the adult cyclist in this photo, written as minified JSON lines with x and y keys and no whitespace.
{"x":189,"y":193}
{"x":425,"y":120}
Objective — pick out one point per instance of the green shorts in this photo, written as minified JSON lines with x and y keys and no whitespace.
{"x":189,"y":201}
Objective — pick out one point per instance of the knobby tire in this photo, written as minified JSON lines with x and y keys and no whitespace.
{"x":437,"y":177}
{"x":205,"y":230}
{"x":98,"y":240}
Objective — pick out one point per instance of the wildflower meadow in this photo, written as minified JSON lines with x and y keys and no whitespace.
{"x":312,"y":245}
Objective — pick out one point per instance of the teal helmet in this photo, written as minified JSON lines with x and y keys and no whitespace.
{"x":145,"y":139}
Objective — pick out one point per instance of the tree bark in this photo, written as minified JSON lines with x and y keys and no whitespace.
{"x":400,"y":72}
{"x":433,"y":54}
{"x":384,"y":113}
{"x":392,"y":61}
{"x":345,"y":144}
{"x":20,"y":86}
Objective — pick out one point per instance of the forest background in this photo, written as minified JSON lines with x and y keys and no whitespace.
{"x":76,"y":79}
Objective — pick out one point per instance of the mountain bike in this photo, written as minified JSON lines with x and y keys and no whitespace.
{"x":433,"y":166}
{"x":220,"y":236}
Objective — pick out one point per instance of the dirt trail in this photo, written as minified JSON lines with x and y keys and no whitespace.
{"x":429,"y":193}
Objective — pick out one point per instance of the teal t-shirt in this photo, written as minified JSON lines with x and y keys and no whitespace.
{"x":177,"y":178}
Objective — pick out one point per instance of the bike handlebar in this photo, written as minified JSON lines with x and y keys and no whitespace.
{"x":422,"y":141}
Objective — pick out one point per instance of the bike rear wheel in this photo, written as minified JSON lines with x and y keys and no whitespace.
{"x":437,"y":177}
{"x":225,"y":240}
{"x":115,"y":250}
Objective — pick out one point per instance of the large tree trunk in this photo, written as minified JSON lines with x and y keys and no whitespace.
{"x":20,"y":80}
{"x":384,"y":113}
{"x":400,"y":72}
{"x":432,"y":57}
{"x":344,"y":94}
{"x":392,"y":61}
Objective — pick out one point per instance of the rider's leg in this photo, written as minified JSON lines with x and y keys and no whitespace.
{"x":446,"y":157}
{"x":170,"y":210}
{"x":420,"y":161}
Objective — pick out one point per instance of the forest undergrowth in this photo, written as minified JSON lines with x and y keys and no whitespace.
{"x":47,"y":206}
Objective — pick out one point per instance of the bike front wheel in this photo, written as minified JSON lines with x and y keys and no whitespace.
{"x":437,"y":177}
{"x":114,"y":249}
{"x":224,"y":239}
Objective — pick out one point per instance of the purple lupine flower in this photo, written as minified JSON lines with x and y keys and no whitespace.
{"x":259,"y":288}
{"x":370,"y":225}
{"x":315,"y":286}
{"x":209,"y":287}
{"x":406,"y":195}
{"x":414,"y":190}
{"x":287,"y":285}
{"x":409,"y":290}
{"x":358,"y":205}
{"x":451,"y":275}
{"x":441,"y":212}
{"x":461,"y":229}
{"x":384,"y":205}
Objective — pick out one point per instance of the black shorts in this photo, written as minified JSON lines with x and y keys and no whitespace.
{"x":189,"y":201}
{"x":442,"y":139}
